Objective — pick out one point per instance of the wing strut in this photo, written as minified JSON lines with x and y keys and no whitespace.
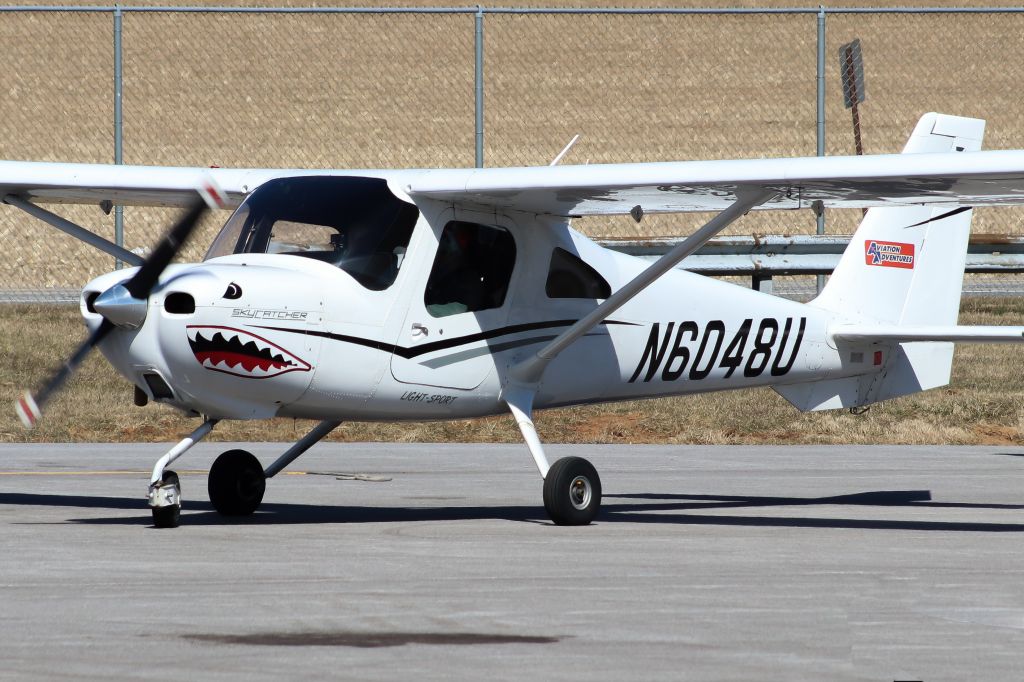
{"x":76,"y":231}
{"x":526,"y":375}
{"x":532,"y":369}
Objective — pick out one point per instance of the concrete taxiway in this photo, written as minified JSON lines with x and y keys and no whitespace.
{"x":437,"y":562}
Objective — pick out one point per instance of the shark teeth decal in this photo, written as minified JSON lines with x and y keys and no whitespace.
{"x":241,"y":354}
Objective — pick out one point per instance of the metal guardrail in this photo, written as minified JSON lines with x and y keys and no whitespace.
{"x":762,"y":258}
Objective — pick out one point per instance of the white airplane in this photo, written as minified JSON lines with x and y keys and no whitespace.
{"x":447,"y":294}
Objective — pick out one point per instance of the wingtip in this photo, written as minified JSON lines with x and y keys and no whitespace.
{"x":28,"y":410}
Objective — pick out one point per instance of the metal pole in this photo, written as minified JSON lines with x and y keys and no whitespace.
{"x":850,"y":84}
{"x":118,"y":129}
{"x":821,"y":120}
{"x":479,"y":77}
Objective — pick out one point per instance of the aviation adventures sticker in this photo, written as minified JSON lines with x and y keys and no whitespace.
{"x":241,"y":353}
{"x":889,"y":254}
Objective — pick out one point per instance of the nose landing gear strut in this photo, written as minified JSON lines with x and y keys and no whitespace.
{"x":164,"y":486}
{"x":236,"y":483}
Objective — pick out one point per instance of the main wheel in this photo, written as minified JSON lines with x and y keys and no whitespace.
{"x":169,"y":516}
{"x":236,"y":483}
{"x":572,"y":492}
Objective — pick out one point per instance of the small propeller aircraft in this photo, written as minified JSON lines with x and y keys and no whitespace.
{"x":447,"y":294}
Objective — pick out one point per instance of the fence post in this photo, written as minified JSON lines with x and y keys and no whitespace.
{"x":118,"y":128}
{"x":479,"y":78}
{"x":821,"y":120}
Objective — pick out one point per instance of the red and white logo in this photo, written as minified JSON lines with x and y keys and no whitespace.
{"x":889,"y":254}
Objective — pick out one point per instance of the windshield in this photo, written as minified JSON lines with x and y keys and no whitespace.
{"x":354,"y":223}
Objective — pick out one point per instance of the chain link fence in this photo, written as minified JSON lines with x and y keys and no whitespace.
{"x":380,"y":88}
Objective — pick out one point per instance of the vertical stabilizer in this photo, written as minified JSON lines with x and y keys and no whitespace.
{"x":904,"y":266}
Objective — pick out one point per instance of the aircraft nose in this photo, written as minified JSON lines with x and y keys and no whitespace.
{"x":119,"y":306}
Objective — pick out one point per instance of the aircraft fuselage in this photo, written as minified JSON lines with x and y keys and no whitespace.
{"x":256,"y":335}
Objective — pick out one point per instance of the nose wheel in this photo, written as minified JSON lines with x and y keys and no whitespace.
{"x":166,"y":501}
{"x":236,"y":483}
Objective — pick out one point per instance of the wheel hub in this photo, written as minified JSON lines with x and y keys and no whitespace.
{"x":580,"y":492}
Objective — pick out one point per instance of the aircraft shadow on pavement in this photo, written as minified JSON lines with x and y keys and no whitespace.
{"x":659,"y":508}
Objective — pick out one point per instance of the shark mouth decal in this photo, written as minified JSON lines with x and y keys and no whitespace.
{"x":241,"y":354}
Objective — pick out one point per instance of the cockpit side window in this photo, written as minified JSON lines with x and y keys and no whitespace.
{"x":570,"y":277}
{"x":354,"y":223}
{"x":229,"y":238}
{"x":472,"y":269}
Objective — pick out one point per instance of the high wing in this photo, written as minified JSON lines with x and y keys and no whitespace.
{"x":954,"y":179}
{"x":84,"y":183}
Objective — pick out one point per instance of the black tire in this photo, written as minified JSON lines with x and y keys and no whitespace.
{"x":236,"y":483}
{"x":572,"y":492}
{"x":168,"y":517}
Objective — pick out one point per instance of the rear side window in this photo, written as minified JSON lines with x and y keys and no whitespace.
{"x":472,"y":269}
{"x":570,"y":277}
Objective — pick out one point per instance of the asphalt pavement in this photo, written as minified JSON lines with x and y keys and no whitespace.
{"x":384,"y":562}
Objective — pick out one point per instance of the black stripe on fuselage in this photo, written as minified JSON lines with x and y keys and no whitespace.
{"x":425,"y":348}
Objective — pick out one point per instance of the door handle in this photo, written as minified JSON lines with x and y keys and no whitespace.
{"x":419,"y":331}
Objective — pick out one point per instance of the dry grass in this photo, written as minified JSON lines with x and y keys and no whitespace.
{"x":983,"y":405}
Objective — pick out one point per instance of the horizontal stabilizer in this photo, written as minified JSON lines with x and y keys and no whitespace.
{"x":891,"y":333}
{"x":909,"y":368}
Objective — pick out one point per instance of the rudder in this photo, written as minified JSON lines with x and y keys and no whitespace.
{"x":903,"y":266}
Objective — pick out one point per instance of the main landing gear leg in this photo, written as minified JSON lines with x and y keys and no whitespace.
{"x":237,"y":480}
{"x":164,"y":486}
{"x":572,"y":488}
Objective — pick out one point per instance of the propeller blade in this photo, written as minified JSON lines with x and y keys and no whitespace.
{"x":30,"y":407}
{"x":142,"y":283}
